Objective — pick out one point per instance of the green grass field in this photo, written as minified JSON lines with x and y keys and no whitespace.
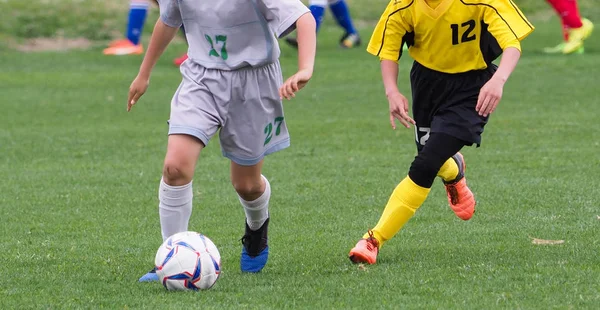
{"x":79,"y":179}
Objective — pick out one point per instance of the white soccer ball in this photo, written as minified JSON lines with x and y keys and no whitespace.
{"x":188,"y":261}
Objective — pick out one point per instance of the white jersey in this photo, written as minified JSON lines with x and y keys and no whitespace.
{"x":233,"y":34}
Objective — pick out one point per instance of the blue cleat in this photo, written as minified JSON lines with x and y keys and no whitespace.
{"x":151,"y":276}
{"x":255,"y":249}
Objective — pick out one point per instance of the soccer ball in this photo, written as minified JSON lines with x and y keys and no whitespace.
{"x":188,"y":261}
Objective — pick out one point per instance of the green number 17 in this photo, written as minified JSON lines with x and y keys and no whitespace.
{"x":218,"y":39}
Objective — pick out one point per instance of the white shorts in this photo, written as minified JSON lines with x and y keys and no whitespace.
{"x":244,"y":104}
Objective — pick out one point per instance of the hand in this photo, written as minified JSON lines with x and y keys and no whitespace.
{"x":136,"y":90}
{"x":294,"y":83}
{"x":399,"y":110}
{"x":489,"y":96}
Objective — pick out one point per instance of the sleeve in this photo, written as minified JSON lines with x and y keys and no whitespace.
{"x":282,"y":14}
{"x":170,"y":13}
{"x":386,"y":40}
{"x":507,"y":23}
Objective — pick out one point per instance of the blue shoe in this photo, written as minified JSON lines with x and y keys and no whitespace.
{"x":255,"y":249}
{"x":151,"y":276}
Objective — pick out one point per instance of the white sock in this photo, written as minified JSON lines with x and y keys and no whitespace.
{"x":257,"y":211}
{"x":175,"y":208}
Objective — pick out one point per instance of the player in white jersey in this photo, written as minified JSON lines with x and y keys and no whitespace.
{"x":232,"y":83}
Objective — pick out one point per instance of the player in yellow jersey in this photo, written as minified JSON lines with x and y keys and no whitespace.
{"x":455,"y":88}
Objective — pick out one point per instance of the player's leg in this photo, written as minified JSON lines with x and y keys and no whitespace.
{"x":408,"y":196}
{"x":577,"y":29}
{"x":460,"y":198}
{"x":254,"y":192}
{"x":194,"y":119}
{"x":254,"y":127}
{"x":317,"y":9}
{"x":578,"y":35}
{"x":459,"y":118}
{"x":559,"y":8}
{"x":340,"y":11}
{"x":138,"y":10}
{"x":137,"y":17}
{"x":175,"y":191}
{"x":452,"y":171}
{"x":557,"y":49}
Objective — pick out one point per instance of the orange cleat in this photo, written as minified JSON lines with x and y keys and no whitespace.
{"x":119,"y":42}
{"x":179,"y":60}
{"x":123,"y":47}
{"x":365,"y":251}
{"x":460,"y":197}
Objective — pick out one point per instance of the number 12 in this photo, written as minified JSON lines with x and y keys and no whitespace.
{"x":466,"y":36}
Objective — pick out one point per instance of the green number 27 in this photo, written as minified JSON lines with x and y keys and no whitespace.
{"x":218,"y":39}
{"x":269,"y":129}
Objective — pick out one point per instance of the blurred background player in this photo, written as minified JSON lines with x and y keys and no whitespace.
{"x":575,"y":28}
{"x":131,"y":44}
{"x":342,"y":16}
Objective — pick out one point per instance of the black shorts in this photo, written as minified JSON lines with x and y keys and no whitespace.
{"x":445,"y":103}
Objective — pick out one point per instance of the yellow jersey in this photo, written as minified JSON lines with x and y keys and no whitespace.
{"x":453,"y":36}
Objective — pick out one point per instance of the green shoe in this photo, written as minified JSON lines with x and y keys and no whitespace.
{"x":555,"y":49}
{"x":580,"y":51}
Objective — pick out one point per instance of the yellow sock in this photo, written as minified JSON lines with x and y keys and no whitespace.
{"x":405,"y":200}
{"x":449,"y":170}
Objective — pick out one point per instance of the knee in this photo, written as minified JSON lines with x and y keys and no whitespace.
{"x":424,"y":168}
{"x":247,"y":188}
{"x":428,"y":162}
{"x":432,"y":156}
{"x":175,"y":173}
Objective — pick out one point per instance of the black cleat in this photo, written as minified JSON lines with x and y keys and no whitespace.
{"x":255,"y":248}
{"x":291,"y":41}
{"x":350,"y":40}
